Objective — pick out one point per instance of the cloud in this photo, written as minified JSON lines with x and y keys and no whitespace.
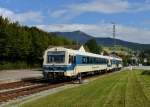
{"x":127,"y":33}
{"x":29,"y":16}
{"x":59,"y":13}
{"x":64,"y":14}
{"x":102,"y":6}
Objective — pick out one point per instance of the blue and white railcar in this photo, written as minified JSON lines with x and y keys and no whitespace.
{"x":119,"y":63}
{"x":60,"y":61}
{"x":116,"y":63}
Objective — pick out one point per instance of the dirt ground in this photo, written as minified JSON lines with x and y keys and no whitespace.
{"x":15,"y":75}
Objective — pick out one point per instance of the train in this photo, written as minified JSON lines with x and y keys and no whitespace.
{"x":61,"y":61}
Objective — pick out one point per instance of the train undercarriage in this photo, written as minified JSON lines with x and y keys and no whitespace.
{"x":61,"y":76}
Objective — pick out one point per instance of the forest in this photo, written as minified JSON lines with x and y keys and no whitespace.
{"x":22,"y":46}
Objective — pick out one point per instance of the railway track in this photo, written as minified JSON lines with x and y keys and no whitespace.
{"x":22,"y":83}
{"x":13,"y":85}
{"x":10,"y":95}
{"x":11,"y":91}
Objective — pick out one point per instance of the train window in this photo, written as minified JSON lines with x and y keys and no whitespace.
{"x":72,"y":59}
{"x":88,"y":60}
{"x":97,"y":60}
{"x":113,"y":62}
{"x":55,"y":58}
{"x":100,"y":61}
{"x":94,"y":60}
{"x":84,"y":60}
{"x":104,"y":61}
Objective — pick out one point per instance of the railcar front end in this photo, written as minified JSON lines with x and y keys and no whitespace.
{"x":54,"y":64}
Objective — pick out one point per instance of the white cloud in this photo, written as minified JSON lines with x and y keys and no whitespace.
{"x":21,"y":17}
{"x":103,"y":30}
{"x":59,"y":13}
{"x":102,"y":6}
{"x":134,"y":34}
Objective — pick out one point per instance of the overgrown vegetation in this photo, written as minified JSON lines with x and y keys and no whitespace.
{"x":21,"y":46}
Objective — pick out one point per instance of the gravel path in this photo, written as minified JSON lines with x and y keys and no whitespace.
{"x":16,"y":75}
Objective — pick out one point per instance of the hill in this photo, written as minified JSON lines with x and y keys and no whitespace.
{"x":82,"y":37}
{"x":79,"y":36}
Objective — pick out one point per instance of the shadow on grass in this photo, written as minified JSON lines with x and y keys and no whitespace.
{"x":146,"y":72}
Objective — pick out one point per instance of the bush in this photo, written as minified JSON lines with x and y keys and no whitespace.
{"x":146,"y":72}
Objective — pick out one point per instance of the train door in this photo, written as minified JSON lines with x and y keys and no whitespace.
{"x":72,"y":63}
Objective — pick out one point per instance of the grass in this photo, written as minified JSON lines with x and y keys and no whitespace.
{"x":146,"y":72}
{"x":16,"y":65}
{"x":123,"y":89}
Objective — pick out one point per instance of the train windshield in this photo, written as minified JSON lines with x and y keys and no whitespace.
{"x":56,"y":57}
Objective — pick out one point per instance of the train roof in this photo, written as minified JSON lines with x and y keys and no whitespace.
{"x":74,"y":47}
{"x":79,"y":49}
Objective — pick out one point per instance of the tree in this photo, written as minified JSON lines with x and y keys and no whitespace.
{"x":93,"y":46}
{"x":24,"y":44}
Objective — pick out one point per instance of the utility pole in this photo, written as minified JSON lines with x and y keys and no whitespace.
{"x":114,"y":37}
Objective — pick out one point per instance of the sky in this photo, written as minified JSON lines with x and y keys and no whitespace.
{"x":94,"y":17}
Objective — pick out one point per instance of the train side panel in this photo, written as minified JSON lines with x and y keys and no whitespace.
{"x":85,"y":68}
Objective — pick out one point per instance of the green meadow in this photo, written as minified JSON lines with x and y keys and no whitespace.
{"x":121,"y":89}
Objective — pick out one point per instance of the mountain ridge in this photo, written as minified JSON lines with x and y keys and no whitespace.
{"x":82,"y":37}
